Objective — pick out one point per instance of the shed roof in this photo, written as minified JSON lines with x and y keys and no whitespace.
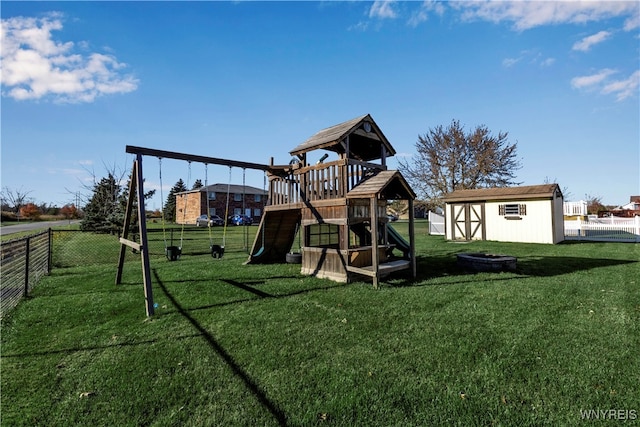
{"x":388,"y":184}
{"x":363,"y":145}
{"x":544,"y":191}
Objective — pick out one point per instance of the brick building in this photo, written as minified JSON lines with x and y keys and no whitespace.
{"x":242,"y":199}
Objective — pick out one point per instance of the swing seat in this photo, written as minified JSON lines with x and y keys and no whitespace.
{"x":217,"y":251}
{"x":173,"y":252}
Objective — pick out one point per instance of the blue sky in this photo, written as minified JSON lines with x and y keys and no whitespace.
{"x":251,"y":80}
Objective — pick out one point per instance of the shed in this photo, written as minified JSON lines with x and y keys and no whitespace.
{"x":532,"y":214}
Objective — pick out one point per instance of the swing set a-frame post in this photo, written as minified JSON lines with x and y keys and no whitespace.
{"x":136,"y":187}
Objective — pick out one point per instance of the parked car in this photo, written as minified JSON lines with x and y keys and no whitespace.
{"x":214,"y":220}
{"x":392,"y":217}
{"x":240,"y":220}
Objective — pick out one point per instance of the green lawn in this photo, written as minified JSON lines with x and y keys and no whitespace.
{"x":261,"y":345}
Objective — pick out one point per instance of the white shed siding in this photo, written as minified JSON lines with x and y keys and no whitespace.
{"x":532,"y":214}
{"x":534,"y":227}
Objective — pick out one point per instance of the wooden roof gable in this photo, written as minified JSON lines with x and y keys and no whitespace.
{"x":544,"y":191}
{"x":388,"y":185}
{"x":365,"y":140}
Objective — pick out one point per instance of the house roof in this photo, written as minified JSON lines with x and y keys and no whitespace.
{"x":389,"y":184}
{"x":365,"y":140}
{"x":544,"y":191}
{"x":233,"y":189}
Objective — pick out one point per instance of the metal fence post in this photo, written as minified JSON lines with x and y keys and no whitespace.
{"x":26,"y":267}
{"x":49,"y":251}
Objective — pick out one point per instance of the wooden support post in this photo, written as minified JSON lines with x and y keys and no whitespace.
{"x":412,"y":239}
{"x":136,"y":183}
{"x":375,"y":261}
{"x":144,"y":250}
{"x":127,"y":222}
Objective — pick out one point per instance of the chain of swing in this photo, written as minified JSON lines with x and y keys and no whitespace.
{"x":173,"y":252}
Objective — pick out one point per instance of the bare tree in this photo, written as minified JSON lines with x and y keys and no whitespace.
{"x":594,"y":204}
{"x":566,"y":194}
{"x":15,"y":199}
{"x":449,"y":159}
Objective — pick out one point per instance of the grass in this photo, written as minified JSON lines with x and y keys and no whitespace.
{"x":262,"y":345}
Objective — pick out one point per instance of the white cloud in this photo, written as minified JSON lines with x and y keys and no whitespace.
{"x":360,"y":26}
{"x":422,"y":13}
{"x":624,"y":89}
{"x":585,"y":44}
{"x":510,"y":62}
{"x":36,"y":66}
{"x":591,"y":80}
{"x":547,"y":62}
{"x":531,"y":57}
{"x":600,"y":81}
{"x":529,"y":14}
{"x":632,"y":22}
{"x":382,"y":9}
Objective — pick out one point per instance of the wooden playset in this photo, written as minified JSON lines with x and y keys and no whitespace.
{"x":339,"y":207}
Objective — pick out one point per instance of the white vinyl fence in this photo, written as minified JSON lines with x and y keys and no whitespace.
{"x":612,"y":229}
{"x":436,"y":224}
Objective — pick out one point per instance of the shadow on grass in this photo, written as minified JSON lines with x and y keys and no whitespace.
{"x":277,"y":413}
{"x":96,"y":347}
{"x":545,"y":266}
{"x":429,"y":268}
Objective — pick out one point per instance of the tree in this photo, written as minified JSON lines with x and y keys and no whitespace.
{"x":30,"y":211}
{"x":14,"y":198}
{"x":566,"y":194}
{"x":123,"y":202}
{"x":104,"y":213}
{"x":594,"y":204}
{"x":69,"y":211}
{"x":197,"y":184}
{"x":450,"y":159}
{"x":170,"y":204}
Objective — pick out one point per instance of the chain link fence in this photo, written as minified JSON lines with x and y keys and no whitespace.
{"x":25,"y":260}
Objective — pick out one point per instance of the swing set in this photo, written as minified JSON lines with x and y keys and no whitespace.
{"x":136,"y":190}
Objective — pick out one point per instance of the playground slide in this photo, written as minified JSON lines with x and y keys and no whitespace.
{"x":396,"y":239}
{"x":275,"y":237}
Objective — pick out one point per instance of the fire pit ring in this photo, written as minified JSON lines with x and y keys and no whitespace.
{"x":486,"y":262}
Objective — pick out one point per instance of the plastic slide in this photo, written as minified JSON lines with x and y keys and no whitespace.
{"x":396,"y":239}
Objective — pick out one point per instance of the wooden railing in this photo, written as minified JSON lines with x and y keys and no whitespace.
{"x":575,"y":208}
{"x":332,"y":180}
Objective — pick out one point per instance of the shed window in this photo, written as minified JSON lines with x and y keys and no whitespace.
{"x":512,"y":209}
{"x":237,"y":197}
{"x":212,"y":195}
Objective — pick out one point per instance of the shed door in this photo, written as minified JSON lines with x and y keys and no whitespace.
{"x":467,"y":221}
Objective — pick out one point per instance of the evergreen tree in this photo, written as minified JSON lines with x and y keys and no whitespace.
{"x":104,"y":213}
{"x":170,"y":204}
{"x":123,"y":203}
{"x":197,"y":184}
